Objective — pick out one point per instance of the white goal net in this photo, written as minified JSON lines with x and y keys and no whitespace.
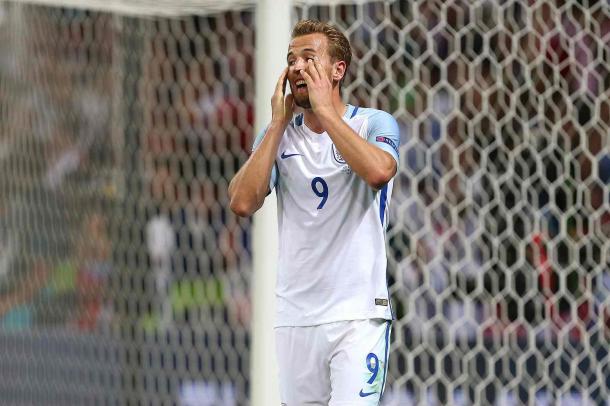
{"x":124,"y":277}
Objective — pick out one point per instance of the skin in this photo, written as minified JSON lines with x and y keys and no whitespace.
{"x":323,"y":109}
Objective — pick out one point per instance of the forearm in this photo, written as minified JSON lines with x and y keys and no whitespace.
{"x":372,"y":164}
{"x":249,"y":187}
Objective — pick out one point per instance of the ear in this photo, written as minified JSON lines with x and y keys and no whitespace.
{"x":338,"y":71}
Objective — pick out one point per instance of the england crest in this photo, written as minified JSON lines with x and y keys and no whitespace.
{"x":337,"y":156}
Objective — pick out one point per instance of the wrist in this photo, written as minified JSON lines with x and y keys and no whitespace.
{"x":326,"y":114}
{"x":279,"y":123}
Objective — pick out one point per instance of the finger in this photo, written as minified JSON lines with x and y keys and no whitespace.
{"x":311,"y":67}
{"x":307,"y":77}
{"x":288,"y":103}
{"x":285,"y":81}
{"x":319,"y":67}
{"x":281,"y":83}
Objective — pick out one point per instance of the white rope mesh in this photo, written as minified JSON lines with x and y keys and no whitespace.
{"x":124,"y":277}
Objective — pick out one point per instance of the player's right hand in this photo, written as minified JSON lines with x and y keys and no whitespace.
{"x":282,"y":106}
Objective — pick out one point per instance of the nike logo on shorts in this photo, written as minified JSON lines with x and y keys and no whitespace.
{"x":365,"y":394}
{"x":285,"y":155}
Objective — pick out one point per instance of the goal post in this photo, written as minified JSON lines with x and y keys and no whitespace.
{"x":125,"y":278}
{"x":139,"y":8}
{"x":273,"y":21}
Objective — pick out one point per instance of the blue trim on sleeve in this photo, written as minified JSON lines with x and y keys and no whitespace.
{"x":354,"y":112}
{"x":384,"y":197}
{"x":277,"y":174}
{"x":274,"y":178}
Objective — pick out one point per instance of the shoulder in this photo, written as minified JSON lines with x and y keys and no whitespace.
{"x":370,"y":112}
{"x":294,"y":123}
{"x":377,"y":119}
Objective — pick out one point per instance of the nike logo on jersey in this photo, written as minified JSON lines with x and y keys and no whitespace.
{"x":285,"y":155}
{"x":365,"y":394}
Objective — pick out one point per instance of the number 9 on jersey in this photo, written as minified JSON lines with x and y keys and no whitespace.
{"x":318,"y":181}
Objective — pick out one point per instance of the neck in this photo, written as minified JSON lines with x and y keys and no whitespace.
{"x":311,"y":120}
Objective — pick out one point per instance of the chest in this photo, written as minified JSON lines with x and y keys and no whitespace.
{"x":313,"y":171}
{"x":305,"y":157}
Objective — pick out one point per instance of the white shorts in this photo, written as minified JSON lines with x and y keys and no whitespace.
{"x":342,"y":363}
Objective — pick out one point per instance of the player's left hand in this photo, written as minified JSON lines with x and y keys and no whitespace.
{"x":319,"y":86}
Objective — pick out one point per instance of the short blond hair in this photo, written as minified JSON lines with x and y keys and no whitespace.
{"x":339,"y":48}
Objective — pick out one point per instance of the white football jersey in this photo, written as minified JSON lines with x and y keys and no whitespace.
{"x":332,"y":252}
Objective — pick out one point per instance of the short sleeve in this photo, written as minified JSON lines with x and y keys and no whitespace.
{"x":384,"y":133}
{"x":274,"y":173}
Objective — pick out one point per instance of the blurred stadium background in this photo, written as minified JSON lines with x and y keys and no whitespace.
{"x":125,"y":278}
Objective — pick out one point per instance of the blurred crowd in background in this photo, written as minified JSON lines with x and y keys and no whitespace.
{"x":118,"y":139}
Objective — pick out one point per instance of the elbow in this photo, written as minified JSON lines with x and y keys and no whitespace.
{"x":377,"y":184}
{"x":241,"y":208}
{"x":237,"y":203}
{"x":244,"y":203}
{"x":380,"y":178}
{"x":383,"y":173}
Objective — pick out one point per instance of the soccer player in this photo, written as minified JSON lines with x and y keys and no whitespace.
{"x":331,"y":165}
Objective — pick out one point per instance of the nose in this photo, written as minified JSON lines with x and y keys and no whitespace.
{"x":299,"y":64}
